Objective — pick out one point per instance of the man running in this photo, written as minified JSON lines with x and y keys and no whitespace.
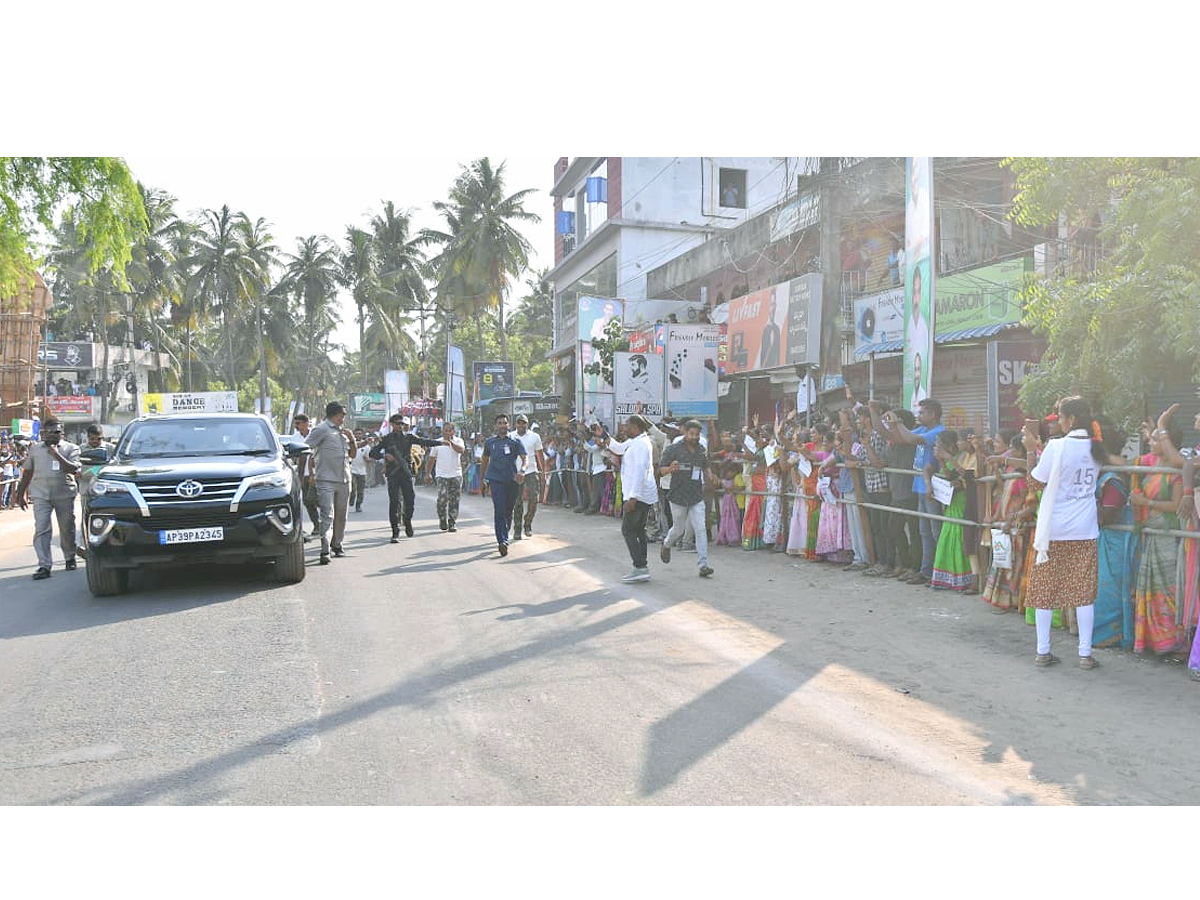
{"x":535,"y":466}
{"x":447,"y":469}
{"x":686,"y":463}
{"x":503,"y":469}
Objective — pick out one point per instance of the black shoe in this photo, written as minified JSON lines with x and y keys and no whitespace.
{"x":503,"y":552}
{"x":304,"y":537}
{"x":41,"y":573}
{"x":705,"y":571}
{"x":442,"y":524}
{"x":358,"y":509}
{"x":528,"y":531}
{"x":408,"y":529}
{"x":517,"y":536}
{"x":323,"y":561}
{"x":338,"y":551}
{"x":69,"y":565}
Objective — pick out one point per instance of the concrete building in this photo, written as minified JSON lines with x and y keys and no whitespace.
{"x":616,"y":218}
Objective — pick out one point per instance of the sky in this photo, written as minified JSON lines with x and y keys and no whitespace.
{"x":305,"y":195}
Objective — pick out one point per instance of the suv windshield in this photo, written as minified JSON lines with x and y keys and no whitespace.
{"x":197,"y":437}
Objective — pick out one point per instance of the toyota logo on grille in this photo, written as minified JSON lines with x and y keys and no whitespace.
{"x":189,"y":489}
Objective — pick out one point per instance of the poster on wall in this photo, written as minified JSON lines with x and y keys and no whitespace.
{"x":878,"y":319}
{"x":919,"y":287}
{"x":456,"y":396}
{"x":594,"y":315}
{"x":691,"y":370}
{"x":638,"y":378}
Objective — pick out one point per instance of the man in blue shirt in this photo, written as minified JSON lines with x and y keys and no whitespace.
{"x":924,"y":435}
{"x":504,"y":476}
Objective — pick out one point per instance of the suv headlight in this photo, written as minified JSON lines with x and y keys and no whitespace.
{"x":104,"y":486}
{"x":281,"y":480}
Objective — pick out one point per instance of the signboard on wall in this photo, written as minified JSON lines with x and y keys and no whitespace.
{"x":691,"y":370}
{"x":368,"y":406}
{"x":638,"y":378}
{"x":594,"y":315}
{"x":989,"y":295}
{"x":1008,"y":364}
{"x":74,"y":355}
{"x":776,"y":326}
{"x":804,"y":320}
{"x":879,"y":318}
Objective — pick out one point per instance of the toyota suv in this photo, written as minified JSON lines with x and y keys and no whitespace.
{"x":192,"y":489}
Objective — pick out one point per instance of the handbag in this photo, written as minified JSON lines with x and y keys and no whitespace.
{"x":1001,"y":549}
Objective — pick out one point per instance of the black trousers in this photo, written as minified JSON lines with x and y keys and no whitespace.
{"x":904,"y":536}
{"x":309,"y":496}
{"x":878,"y":521}
{"x":633,"y":529}
{"x":399,"y":484}
{"x":358,"y":485}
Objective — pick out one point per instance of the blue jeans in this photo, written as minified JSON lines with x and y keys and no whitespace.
{"x":504,"y":498}
{"x":931,"y":530}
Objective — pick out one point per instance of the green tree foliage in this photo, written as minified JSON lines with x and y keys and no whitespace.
{"x":614,"y":340}
{"x":107,"y":213}
{"x":1121,"y":311}
{"x":530,"y":331}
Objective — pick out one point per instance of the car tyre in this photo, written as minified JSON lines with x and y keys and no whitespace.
{"x":103,"y":581}
{"x":289,"y":568}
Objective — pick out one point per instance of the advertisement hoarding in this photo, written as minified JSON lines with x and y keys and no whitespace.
{"x":691,"y":370}
{"x":638,"y":378}
{"x":773,"y":327}
{"x":879,"y":318}
{"x":66,"y":355}
{"x":85,"y":408}
{"x":919,"y":287}
{"x":494,"y":380}
{"x":988,"y":295}
{"x":594,"y":315}
{"x":1008,"y":364}
{"x":368,"y":406}
{"x":456,"y":396}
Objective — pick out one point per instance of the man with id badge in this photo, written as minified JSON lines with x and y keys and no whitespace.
{"x":49,"y":475}
{"x":504,"y":476}
{"x":686,"y":462}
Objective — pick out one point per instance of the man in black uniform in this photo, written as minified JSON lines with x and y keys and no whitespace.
{"x":396,"y":451}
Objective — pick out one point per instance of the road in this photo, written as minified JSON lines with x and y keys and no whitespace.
{"x":435,"y":672}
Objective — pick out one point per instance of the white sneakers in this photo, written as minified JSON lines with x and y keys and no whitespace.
{"x":634,"y":576}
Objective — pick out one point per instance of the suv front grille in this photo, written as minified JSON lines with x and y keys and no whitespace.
{"x":198,"y":519}
{"x":220,"y":490}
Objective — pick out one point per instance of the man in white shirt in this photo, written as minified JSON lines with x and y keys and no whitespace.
{"x":640,"y":492}
{"x":447,"y":469}
{"x":358,"y":471}
{"x":531,"y":491}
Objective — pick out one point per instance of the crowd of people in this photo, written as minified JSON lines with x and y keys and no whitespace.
{"x":1050,"y":523}
{"x":13,"y":451}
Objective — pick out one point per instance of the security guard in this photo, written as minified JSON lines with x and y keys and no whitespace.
{"x":49,"y":476}
{"x":396,"y":451}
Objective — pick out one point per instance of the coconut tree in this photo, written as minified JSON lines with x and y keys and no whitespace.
{"x":484,"y":246}
{"x":259,"y":250}
{"x":310,"y":278}
{"x":357,"y":272}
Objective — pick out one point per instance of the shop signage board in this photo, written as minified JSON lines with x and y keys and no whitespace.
{"x":691,"y":370}
{"x":197,"y":401}
{"x":75,"y":355}
{"x":988,"y":295}
{"x":638,"y":378}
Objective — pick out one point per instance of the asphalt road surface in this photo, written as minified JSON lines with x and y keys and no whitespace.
{"x":435,"y":672}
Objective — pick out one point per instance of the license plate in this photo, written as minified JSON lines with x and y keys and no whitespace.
{"x":191,"y":535}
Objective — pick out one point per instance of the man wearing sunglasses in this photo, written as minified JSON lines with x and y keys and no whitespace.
{"x":48,"y":476}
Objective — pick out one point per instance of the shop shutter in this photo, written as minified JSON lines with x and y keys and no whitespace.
{"x":960,"y":385}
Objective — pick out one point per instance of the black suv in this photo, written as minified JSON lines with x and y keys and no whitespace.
{"x":192,"y":489}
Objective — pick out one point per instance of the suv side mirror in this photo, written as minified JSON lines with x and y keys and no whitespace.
{"x":94,"y":456}
{"x":293,"y":448}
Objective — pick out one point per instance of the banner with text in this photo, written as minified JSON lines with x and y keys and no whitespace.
{"x":199,"y":401}
{"x":691,"y":370}
{"x":918,"y":288}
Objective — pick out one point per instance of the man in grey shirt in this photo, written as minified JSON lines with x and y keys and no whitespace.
{"x":333,"y":447}
{"x":49,"y":476}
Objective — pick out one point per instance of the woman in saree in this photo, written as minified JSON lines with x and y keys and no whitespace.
{"x":1002,"y":587}
{"x":1155,"y":497}
{"x":951,"y":567}
{"x":1189,"y":518}
{"x":773,"y":534}
{"x":1114,"y":594}
{"x":833,"y":528}
{"x":752,"y":520}
{"x":729,"y":531}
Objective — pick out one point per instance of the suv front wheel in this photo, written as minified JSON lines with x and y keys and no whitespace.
{"x":105,"y":582}
{"x":289,"y":568}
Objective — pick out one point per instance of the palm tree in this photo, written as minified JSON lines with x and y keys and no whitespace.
{"x":310,"y":278}
{"x":155,"y":271}
{"x":483,"y":246}
{"x":227,"y":272}
{"x":403,"y":272}
{"x":261,"y":252}
{"x":357,"y":272}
